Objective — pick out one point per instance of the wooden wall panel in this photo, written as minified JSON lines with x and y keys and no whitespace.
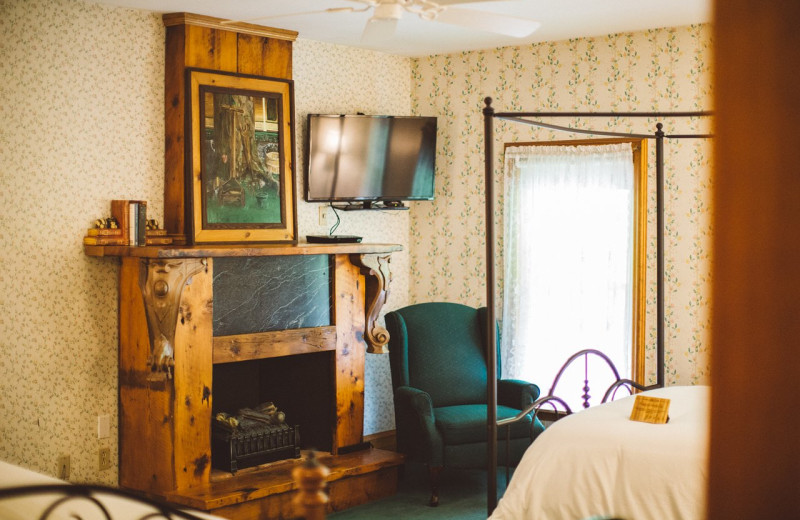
{"x":264,"y":56}
{"x":174,"y":139}
{"x":213,"y":49}
{"x":203,"y":42}
{"x":193,"y":381}
{"x":349,"y":318}
{"x":755,"y":458}
{"x":145,"y":407}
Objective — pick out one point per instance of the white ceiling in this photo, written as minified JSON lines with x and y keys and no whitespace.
{"x":560,"y":20}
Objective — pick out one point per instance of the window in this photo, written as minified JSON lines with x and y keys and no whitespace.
{"x":575,"y":218}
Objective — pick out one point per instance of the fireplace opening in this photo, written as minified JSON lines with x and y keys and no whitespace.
{"x":301,"y":386}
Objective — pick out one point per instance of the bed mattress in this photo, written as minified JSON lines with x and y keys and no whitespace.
{"x":599,"y":463}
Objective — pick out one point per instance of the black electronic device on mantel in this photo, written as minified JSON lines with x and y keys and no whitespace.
{"x":333,"y":239}
{"x":367,"y":159}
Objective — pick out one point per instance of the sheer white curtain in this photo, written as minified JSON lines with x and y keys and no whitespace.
{"x":568,"y":261}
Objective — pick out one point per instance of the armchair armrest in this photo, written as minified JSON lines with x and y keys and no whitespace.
{"x":415,"y":399}
{"x":516,"y":394}
{"x":416,"y":425}
{"x":520,"y":395}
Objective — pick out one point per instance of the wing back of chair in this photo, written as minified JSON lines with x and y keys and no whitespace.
{"x":439,"y":348}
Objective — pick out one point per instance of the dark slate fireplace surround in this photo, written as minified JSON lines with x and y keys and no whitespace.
{"x":261,"y":294}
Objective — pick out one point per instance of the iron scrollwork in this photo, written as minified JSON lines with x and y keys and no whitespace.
{"x":90,"y":501}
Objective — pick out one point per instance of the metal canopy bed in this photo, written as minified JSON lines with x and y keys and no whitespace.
{"x":534,"y":119}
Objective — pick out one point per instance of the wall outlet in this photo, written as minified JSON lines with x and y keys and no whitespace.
{"x":62,"y":469}
{"x":323,"y":215}
{"x":104,"y":458}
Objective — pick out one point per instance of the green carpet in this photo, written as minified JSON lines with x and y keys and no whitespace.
{"x":462,"y":495}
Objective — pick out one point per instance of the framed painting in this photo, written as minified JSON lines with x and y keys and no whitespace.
{"x":241,"y":158}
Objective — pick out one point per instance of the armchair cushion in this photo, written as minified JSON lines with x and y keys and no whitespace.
{"x":466,"y":423}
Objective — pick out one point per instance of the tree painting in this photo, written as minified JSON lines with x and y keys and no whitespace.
{"x":241,"y":156}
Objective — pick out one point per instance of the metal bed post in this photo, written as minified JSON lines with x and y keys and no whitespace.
{"x":659,"y":136}
{"x":519,"y":117}
{"x":491,"y":334}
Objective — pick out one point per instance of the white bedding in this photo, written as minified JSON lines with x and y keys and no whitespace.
{"x":31,"y":507}
{"x":598,"y":463}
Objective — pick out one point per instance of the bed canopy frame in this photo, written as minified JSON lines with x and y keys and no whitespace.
{"x":532,"y":119}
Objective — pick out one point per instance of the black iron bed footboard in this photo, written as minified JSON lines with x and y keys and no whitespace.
{"x":84,"y":502}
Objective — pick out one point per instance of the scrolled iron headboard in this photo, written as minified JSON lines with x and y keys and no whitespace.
{"x":554,"y":400}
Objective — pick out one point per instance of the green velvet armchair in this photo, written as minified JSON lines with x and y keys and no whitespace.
{"x":437,"y":355}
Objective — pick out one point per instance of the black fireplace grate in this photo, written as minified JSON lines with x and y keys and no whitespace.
{"x":251,"y":444}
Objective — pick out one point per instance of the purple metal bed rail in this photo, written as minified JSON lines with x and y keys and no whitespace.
{"x":489,"y":115}
{"x":554,"y":400}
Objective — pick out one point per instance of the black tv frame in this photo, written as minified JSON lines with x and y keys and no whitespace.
{"x":357,"y":203}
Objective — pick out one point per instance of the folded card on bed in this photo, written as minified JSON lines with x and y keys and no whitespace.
{"x":649,"y":409}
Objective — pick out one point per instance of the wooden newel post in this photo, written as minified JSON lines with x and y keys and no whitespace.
{"x":311,"y":500}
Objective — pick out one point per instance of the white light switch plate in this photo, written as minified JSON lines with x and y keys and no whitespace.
{"x":103,"y":426}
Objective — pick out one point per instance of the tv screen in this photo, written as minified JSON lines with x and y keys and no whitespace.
{"x":365,"y":158}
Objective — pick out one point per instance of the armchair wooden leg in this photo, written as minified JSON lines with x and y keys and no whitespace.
{"x":434,"y":472}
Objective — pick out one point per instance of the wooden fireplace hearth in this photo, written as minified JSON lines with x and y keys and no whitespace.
{"x":168,"y":352}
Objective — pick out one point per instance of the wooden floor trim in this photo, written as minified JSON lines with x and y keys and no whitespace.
{"x":277,"y":478}
{"x":383,"y":440}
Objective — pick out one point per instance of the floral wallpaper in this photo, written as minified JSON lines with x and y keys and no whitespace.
{"x":83,"y":123}
{"x":656,"y":70}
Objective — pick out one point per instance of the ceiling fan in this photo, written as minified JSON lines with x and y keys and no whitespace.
{"x":387,"y":13}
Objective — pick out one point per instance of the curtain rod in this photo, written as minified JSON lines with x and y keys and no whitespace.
{"x":699,"y":113}
{"x":597,"y":132}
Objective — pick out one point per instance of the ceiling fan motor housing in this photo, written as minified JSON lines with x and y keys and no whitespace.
{"x":389,"y":11}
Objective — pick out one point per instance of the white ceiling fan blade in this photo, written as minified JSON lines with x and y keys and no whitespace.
{"x":379,"y":29}
{"x":490,"y":22}
{"x":455,"y":2}
{"x":303,"y":13}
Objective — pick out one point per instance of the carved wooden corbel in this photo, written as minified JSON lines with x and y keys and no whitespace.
{"x":162,"y":284}
{"x":375,"y":269}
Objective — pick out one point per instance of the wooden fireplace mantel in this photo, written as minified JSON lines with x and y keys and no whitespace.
{"x":168,"y":352}
{"x":372,"y":259}
{"x":223,"y":250}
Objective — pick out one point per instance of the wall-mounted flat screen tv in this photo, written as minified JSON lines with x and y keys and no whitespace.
{"x":370,"y":158}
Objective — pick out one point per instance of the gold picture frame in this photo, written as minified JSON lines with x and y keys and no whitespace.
{"x":241,"y":158}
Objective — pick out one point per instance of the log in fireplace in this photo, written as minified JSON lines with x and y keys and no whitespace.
{"x":252,"y":436}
